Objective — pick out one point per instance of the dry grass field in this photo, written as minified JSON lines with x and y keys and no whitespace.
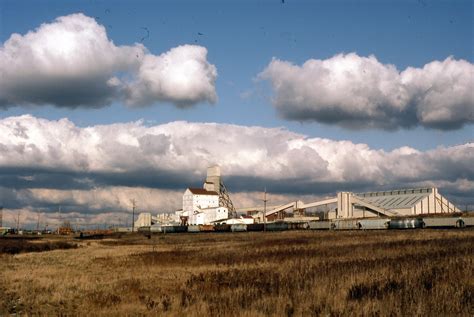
{"x":293,"y":273}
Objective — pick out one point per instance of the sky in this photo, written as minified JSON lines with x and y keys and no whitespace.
{"x":102,"y":102}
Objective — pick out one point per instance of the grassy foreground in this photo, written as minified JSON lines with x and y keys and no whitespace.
{"x":293,"y":273}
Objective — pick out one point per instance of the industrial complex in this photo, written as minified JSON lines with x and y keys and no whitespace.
{"x":210,"y":208}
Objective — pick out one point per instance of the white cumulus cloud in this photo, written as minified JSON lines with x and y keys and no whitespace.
{"x":181,"y":76}
{"x":361,"y":92}
{"x":46,"y":163}
{"x":71,"y":62}
{"x":185,"y":149}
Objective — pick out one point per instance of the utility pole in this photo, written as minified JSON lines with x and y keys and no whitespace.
{"x":265,"y":209}
{"x":59,"y":225}
{"x":18,"y":222}
{"x":1,"y":216}
{"x":133,"y":214}
{"x":38,"y":222}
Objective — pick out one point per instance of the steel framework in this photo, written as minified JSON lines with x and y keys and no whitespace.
{"x":224,"y":199}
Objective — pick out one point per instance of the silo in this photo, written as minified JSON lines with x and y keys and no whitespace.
{"x":213,"y":179}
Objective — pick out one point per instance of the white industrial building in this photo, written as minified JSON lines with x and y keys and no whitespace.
{"x":394,"y":203}
{"x":146,"y":219}
{"x":195,"y":199}
{"x":207,"y":204}
{"x":208,"y":215}
{"x":211,"y":204}
{"x":403,"y":202}
{"x":245,"y":220}
{"x":200,"y":205}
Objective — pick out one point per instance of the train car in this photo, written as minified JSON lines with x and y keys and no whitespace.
{"x":405,"y":223}
{"x":442,"y":222}
{"x":255,"y":227}
{"x":373,"y":224}
{"x":468,"y":221}
{"x":238,"y":227}
{"x":276,"y":226}
{"x":156,"y":228}
{"x":174,"y":229}
{"x":193,"y":228}
{"x":303,"y":225}
{"x":344,"y":224}
{"x":144,"y":229}
{"x":222,"y":228}
{"x":206,"y":228}
{"x":320,"y":225}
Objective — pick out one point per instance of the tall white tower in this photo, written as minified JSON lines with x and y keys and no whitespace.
{"x":213,"y":179}
{"x":214,"y":183}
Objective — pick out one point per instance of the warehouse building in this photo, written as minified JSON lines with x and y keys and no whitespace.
{"x":403,"y":202}
{"x":394,"y":203}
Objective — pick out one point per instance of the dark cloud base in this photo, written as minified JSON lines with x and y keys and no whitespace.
{"x":15,"y":180}
{"x":66,"y":180}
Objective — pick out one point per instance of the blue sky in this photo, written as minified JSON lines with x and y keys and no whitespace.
{"x":243,"y":36}
{"x":312,"y":97}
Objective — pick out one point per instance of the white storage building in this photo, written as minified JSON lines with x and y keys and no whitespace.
{"x":403,"y":202}
{"x":195,"y":199}
{"x":207,"y":216}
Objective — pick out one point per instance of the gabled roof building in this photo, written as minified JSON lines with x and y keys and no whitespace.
{"x":403,"y":202}
{"x":195,"y":199}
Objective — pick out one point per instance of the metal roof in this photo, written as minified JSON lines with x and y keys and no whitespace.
{"x":396,"y":199}
{"x":201,"y":191}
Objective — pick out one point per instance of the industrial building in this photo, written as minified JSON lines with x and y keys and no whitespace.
{"x":205,"y":216}
{"x":195,"y":199}
{"x":211,"y":205}
{"x":348,"y":205}
{"x":208,"y":204}
{"x":404,"y":202}
{"x":201,"y":206}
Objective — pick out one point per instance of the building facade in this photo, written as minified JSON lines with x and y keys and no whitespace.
{"x":195,"y":199}
{"x":208,"y":216}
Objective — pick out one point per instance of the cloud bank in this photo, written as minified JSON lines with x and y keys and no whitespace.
{"x":96,"y":169}
{"x":360,"y":92}
{"x":72,"y":63}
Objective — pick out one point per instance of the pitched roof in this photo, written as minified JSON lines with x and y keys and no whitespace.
{"x":202,"y":191}
{"x":395,"y":199}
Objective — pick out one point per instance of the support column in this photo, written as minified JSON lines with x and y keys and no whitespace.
{"x":344,"y":205}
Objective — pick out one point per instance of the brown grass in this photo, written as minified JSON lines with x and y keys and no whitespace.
{"x":299,"y":273}
{"x":15,"y":245}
